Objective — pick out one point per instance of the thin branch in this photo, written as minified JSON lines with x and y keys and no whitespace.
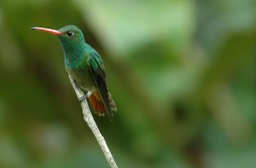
{"x":93,"y":126}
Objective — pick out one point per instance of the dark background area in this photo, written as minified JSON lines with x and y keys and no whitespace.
{"x":182,"y":73}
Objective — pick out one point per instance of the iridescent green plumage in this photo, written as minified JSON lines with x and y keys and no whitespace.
{"x":86,"y":67}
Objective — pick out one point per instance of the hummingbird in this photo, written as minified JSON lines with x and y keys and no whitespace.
{"x":85,"y":66}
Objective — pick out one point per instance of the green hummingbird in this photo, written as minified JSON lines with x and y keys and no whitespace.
{"x":85,"y":66}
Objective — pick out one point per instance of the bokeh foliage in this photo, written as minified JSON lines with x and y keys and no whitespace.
{"x":183,"y":74}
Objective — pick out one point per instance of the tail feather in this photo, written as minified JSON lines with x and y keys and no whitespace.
{"x":112,"y":102}
{"x":98,"y":105}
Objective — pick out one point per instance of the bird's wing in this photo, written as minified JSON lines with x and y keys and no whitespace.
{"x":97,"y":70}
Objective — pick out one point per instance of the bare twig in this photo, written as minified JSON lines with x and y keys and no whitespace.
{"x":93,"y":126}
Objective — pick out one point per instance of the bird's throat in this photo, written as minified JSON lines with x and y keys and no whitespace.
{"x":74,"y":55}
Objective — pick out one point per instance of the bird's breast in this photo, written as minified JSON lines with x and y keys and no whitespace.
{"x":80,"y":73}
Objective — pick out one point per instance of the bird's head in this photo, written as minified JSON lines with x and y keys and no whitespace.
{"x":71,"y":37}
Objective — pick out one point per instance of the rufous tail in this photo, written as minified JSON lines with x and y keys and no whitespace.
{"x":98,"y":105}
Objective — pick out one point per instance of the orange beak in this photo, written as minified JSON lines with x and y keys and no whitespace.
{"x":47,"y":30}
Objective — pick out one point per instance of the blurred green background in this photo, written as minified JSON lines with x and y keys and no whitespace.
{"x":182,"y":73}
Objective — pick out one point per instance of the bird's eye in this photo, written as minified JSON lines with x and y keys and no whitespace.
{"x":70,"y":33}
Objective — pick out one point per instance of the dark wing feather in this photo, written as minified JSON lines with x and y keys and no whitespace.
{"x":96,"y":68}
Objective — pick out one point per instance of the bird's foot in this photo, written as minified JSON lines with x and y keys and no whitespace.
{"x":82,"y":98}
{"x":89,"y":93}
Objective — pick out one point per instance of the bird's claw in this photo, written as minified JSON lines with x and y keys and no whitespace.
{"x":89,"y":93}
{"x":82,"y":98}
